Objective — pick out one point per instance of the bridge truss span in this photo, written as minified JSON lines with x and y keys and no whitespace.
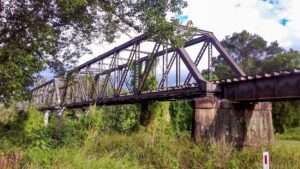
{"x":142,"y":69}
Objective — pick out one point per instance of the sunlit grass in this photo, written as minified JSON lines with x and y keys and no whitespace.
{"x":85,"y":143}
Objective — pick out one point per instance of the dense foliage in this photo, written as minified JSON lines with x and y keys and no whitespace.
{"x":55,"y":33}
{"x":86,"y":141}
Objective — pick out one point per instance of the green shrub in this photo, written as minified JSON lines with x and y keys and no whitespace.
{"x":182,"y":115}
{"x":89,"y":142}
{"x":33,"y":123}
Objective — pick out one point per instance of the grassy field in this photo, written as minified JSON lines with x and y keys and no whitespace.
{"x":149,"y":150}
{"x":290,"y":134}
{"x":85,"y":144}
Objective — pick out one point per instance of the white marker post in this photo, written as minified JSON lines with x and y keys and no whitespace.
{"x":266,"y":160}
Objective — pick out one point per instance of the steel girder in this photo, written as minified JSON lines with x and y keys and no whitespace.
{"x":110,"y":78}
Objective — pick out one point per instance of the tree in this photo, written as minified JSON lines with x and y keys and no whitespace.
{"x":281,"y":61}
{"x":248,"y":50}
{"x":36,"y":33}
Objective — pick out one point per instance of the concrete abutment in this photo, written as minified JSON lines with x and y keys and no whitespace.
{"x":241,"y":124}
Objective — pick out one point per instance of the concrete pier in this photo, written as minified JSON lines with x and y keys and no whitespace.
{"x":242,"y":124}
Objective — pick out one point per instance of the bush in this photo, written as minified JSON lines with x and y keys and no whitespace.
{"x":33,"y":124}
{"x":182,"y":115}
{"x":88,"y":142}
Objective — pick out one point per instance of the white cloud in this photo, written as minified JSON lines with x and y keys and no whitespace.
{"x":224,"y":17}
{"x":257,"y":16}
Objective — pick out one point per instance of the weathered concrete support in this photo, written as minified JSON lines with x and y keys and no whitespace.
{"x":145,"y":116}
{"x":242,"y":124}
{"x":46,"y":117}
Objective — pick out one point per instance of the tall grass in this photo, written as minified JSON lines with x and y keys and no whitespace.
{"x":86,"y":142}
{"x":290,"y":134}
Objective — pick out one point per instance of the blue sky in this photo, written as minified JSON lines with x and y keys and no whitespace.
{"x":272,"y":19}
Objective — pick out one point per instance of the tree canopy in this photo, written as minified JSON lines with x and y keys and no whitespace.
{"x":249,"y":50}
{"x":55,"y":33}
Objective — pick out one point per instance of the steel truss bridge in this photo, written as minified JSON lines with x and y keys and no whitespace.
{"x":124,"y":75}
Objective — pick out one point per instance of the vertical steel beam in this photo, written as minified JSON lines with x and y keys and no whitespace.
{"x":126,"y":69}
{"x":107,"y":77}
{"x":150,"y":60}
{"x":177,"y":70}
{"x":81,"y":87}
{"x":57,"y":92}
{"x":209,"y":62}
{"x":165,"y":75}
{"x":94,"y":88}
{"x":65,"y":89}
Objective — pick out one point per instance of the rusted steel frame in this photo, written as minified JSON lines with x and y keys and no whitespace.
{"x":42,"y":95}
{"x":112,"y":85}
{"x":233,"y":65}
{"x":170,"y":49}
{"x":150,"y":60}
{"x":120,"y":48}
{"x":44,"y":84}
{"x":37,"y":96}
{"x":57,"y":92}
{"x":108,"y":76}
{"x":65,"y":89}
{"x":126,"y":81}
{"x":67,"y":96}
{"x":187,"y":44}
{"x":197,"y":61}
{"x":94,"y":87}
{"x":36,"y":100}
{"x":111,"y":52}
{"x":128,"y":86}
{"x":45,"y":96}
{"x":73,"y":89}
{"x":163,"y":64}
{"x":48,"y":94}
{"x":81,"y":87}
{"x":79,"y":91}
{"x":114,"y":78}
{"x":282,"y":87}
{"x":73,"y":93}
{"x":169,"y":66}
{"x":136,"y":71}
{"x":50,"y":97}
{"x":94,"y":83}
{"x":177,"y":70}
{"x":126,"y":69}
{"x":192,"y":68}
{"x":209,"y":62}
{"x":190,"y":92}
